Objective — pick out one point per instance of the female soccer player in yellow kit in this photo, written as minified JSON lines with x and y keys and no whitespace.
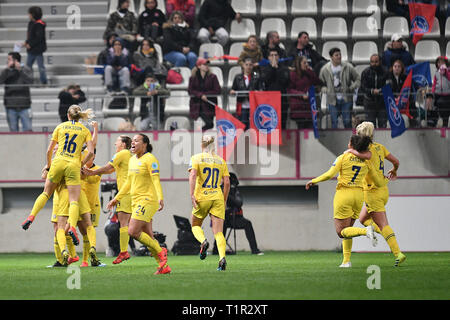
{"x":70,"y":137}
{"x":374,"y":213}
{"x":207,"y":170}
{"x":119,"y":164}
{"x":144,"y":186}
{"x":349,"y":197}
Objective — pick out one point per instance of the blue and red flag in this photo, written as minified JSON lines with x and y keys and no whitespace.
{"x":314,"y":111}
{"x":422,"y":19}
{"x":265,"y":117}
{"x":229,"y":129}
{"x":394,"y":115}
{"x":421,"y":74}
{"x":402,"y":100}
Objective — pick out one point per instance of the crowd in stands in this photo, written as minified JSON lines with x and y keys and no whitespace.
{"x":133,"y":66}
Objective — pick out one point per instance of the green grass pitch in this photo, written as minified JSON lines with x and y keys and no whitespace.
{"x":274,"y":276}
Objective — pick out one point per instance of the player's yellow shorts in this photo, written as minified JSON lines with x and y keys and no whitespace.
{"x":124,"y":205}
{"x":63,"y":204}
{"x":376,"y":199}
{"x":348,"y":203}
{"x":64,"y":169}
{"x":214,"y":207}
{"x":144,"y":210}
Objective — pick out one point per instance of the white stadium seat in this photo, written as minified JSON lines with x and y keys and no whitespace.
{"x":331,"y":44}
{"x":362,"y":51}
{"x":273,"y":8}
{"x":359,"y":7}
{"x":427,"y":50}
{"x":364,"y":28}
{"x":245,"y":7}
{"x":273,"y":24}
{"x":333,"y":7}
{"x":397,"y":25}
{"x":211,"y":50}
{"x":304,"y":24}
{"x":334,"y":28}
{"x":304,"y":7}
{"x":241,"y":31}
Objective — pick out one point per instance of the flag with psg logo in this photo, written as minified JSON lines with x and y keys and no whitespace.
{"x":229,"y":129}
{"x":265,"y":117}
{"x":395,"y":117}
{"x":422,"y":19}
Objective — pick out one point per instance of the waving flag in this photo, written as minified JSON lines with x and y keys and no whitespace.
{"x":422,"y":19}
{"x":265,"y":117}
{"x":314,"y":111}
{"x":421,"y":74}
{"x":402,"y":100}
{"x":394,"y":115}
{"x":229,"y":129}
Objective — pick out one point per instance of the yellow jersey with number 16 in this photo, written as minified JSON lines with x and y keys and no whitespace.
{"x":70,"y":136}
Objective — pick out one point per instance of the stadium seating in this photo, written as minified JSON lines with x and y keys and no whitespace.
{"x":219,"y":74}
{"x":361,"y":7}
{"x":231,"y":74}
{"x":241,"y":31}
{"x":362,"y":51}
{"x":304,"y":24}
{"x":270,"y":24}
{"x":334,"y":7}
{"x":427,"y":50}
{"x":304,"y":7}
{"x":273,"y":8}
{"x":334,"y":28}
{"x":235,"y":51}
{"x":447,"y":28}
{"x":181,"y":122}
{"x":364,"y":28}
{"x":397,"y":25}
{"x":447,"y":51}
{"x":161,"y":6}
{"x":245,"y":7}
{"x":435,"y":32}
{"x":112,"y":123}
{"x":210,"y":50}
{"x":177,"y":104}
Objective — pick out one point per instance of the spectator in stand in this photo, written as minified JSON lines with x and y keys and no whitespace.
{"x":147,"y":59}
{"x":301,"y":79}
{"x":213,"y":17}
{"x":178,"y":45}
{"x":203,"y":83}
{"x":102,"y":56}
{"x":396,"y":49}
{"x":396,"y":78}
{"x":16,"y":98}
{"x":248,"y":80}
{"x":273,"y":42}
{"x":398,"y":7}
{"x":150,"y":21}
{"x":67,"y":97}
{"x":124,"y":23}
{"x":440,"y":93}
{"x":276,"y":78}
{"x":341,"y":80}
{"x":36,"y":43}
{"x":304,"y":48}
{"x":116,"y":70}
{"x":373,"y":78}
{"x":153,"y":103}
{"x":252,"y":50}
{"x":186,"y":7}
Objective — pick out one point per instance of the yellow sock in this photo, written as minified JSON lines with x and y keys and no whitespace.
{"x":154,"y":254}
{"x":92,"y":236}
{"x":71,"y":247}
{"x":39,"y":203}
{"x":347,"y":249}
{"x":146,"y":240}
{"x":74,"y":213}
{"x":86,"y":247}
{"x":124,"y":239}
{"x":221,"y":244}
{"x":369,"y":222}
{"x":389,"y":236}
{"x":351,"y":232}
{"x":61,"y":237}
{"x":198,"y":234}
{"x":57,"y":251}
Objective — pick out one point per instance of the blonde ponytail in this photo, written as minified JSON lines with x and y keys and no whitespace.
{"x":208,"y":144}
{"x":76,"y":113}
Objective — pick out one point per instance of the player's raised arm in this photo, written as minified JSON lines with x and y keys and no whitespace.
{"x":392,"y":174}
